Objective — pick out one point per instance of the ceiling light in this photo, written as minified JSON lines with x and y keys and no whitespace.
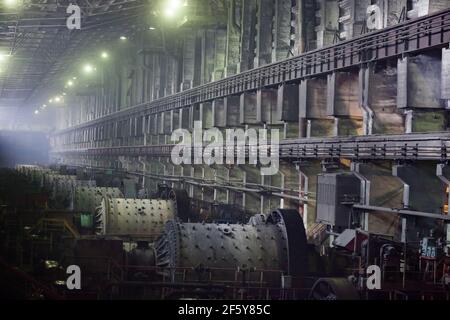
{"x":36,"y":111}
{"x":51,"y":100}
{"x":11,"y":3}
{"x":174,"y":4}
{"x":70,"y":83}
{"x":169,"y":12}
{"x":104,"y":55}
{"x":57,"y":99}
{"x":123,"y":38}
{"x":4,"y":56}
{"x":151,"y":28}
{"x":88,"y":68}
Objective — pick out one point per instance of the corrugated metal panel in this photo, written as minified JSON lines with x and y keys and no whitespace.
{"x":446,"y":74}
{"x":335,"y":193}
{"x":402,"y":80}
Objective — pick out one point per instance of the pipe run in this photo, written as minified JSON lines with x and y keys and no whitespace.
{"x":403,"y":212}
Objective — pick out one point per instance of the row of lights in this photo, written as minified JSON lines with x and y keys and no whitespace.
{"x":169,"y":11}
{"x":87,"y":69}
{"x":10,"y":4}
{"x":56,"y":99}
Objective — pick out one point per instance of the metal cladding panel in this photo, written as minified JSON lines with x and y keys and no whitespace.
{"x":331,"y":94}
{"x":418,"y":82}
{"x":402,"y":83}
{"x":446,"y":74}
{"x":424,"y":81}
{"x":232,"y":109}
{"x":288,"y":102}
{"x":248,"y":108}
{"x":334,"y":193}
{"x":348,"y":191}
{"x":326,"y":199}
{"x":316,"y":97}
{"x":219,"y":115}
{"x":303,"y":99}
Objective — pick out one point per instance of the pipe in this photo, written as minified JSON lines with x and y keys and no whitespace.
{"x":403,"y":212}
{"x":192,"y":181}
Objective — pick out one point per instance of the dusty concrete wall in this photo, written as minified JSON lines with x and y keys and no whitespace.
{"x":385,"y":190}
{"x":343,"y":102}
{"x":423,"y":81}
{"x":382,"y":100}
{"x":314,"y":97}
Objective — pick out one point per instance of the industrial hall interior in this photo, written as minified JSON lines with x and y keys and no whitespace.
{"x":225,"y":150}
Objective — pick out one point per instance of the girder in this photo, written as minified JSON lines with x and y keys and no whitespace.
{"x":424,"y":146}
{"x":412,"y":36}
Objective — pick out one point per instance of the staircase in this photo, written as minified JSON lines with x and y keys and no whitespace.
{"x":62,"y":226}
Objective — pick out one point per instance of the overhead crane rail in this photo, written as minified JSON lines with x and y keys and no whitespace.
{"x":421,"y":146}
{"x":408,"y":37}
